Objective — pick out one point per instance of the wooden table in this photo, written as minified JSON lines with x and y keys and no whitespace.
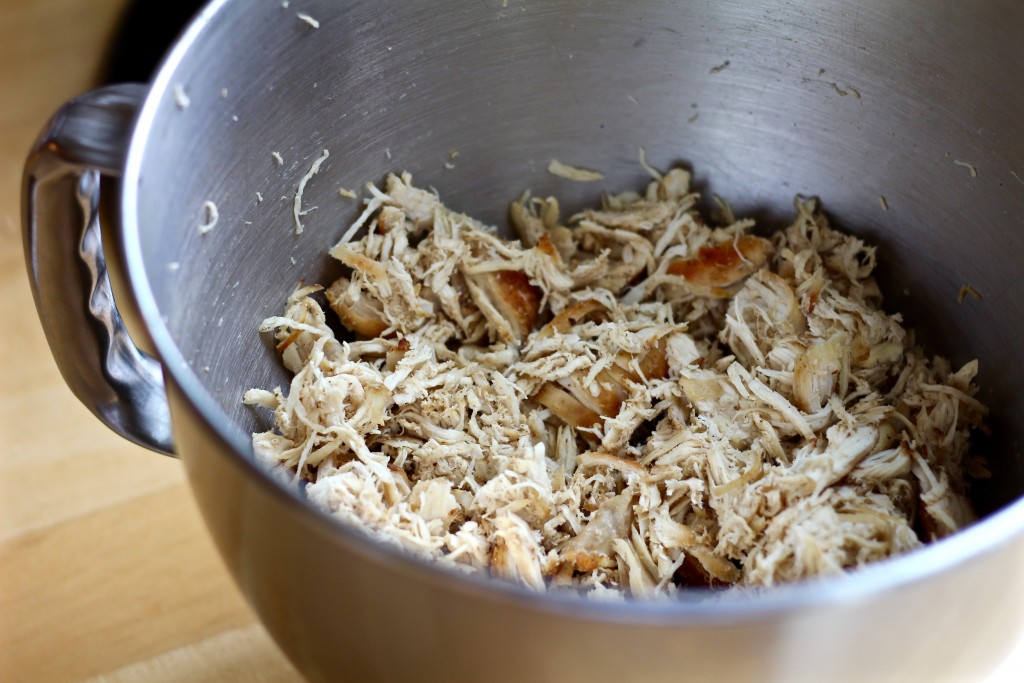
{"x":106,"y":571}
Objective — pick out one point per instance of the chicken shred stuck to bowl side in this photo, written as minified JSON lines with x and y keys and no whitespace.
{"x":632,"y":400}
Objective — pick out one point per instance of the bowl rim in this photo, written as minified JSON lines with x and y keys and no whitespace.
{"x":695,"y":607}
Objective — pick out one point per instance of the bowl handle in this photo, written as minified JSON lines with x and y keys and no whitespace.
{"x":87,"y":138}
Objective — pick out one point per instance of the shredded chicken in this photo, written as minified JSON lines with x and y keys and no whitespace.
{"x":210,"y":217}
{"x":556,"y":167}
{"x":629,"y":400}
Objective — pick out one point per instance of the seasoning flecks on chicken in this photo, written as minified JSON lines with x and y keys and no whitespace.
{"x":629,"y":401}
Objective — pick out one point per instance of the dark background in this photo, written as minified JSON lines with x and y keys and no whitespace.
{"x":145,"y":32}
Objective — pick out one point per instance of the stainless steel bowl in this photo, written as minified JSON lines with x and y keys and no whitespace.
{"x":915,"y":102}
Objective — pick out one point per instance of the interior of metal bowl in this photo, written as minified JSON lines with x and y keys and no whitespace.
{"x":762,"y":100}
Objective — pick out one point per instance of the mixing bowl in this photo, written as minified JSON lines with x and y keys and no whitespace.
{"x":853,"y":102}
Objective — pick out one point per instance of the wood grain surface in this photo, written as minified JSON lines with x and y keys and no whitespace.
{"x":106,"y":571}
